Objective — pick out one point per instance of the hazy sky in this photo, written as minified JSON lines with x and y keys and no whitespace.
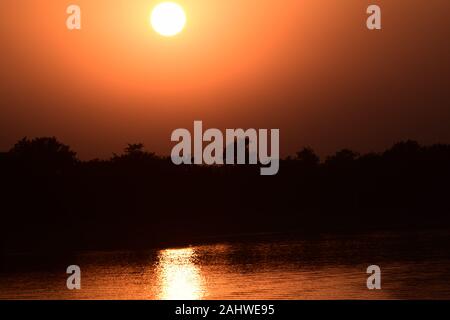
{"x":308,"y":67}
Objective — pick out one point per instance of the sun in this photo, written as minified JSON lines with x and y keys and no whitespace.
{"x":168,"y":19}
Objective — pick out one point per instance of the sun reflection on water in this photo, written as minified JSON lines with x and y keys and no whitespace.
{"x":178,"y":275}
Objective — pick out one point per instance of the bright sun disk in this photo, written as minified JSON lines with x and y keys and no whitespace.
{"x":168,"y":19}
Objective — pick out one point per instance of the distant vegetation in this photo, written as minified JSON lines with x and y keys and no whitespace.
{"x":53,"y":201}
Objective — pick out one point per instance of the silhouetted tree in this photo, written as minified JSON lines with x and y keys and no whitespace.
{"x":308,"y":157}
{"x":408,"y":147}
{"x":136,"y":148}
{"x":149,"y":201}
{"x":135,"y":152}
{"x":404,"y":152}
{"x":43,"y":154}
{"x":342,"y":158}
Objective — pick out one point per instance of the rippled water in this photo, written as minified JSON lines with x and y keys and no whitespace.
{"x":413,"y":267}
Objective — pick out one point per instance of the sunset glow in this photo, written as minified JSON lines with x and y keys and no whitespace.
{"x":268,"y":65}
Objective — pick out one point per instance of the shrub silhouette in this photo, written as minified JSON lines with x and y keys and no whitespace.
{"x":43,"y":154}
{"x":139,"y":199}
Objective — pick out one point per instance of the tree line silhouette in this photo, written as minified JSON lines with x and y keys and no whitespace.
{"x":53,"y":201}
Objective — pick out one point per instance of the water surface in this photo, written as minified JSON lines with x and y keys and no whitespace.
{"x":414,"y":266}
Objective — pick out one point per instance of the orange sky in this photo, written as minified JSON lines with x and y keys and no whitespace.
{"x":308,"y":67}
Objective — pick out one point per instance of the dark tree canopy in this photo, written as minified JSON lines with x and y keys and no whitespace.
{"x":43,"y":153}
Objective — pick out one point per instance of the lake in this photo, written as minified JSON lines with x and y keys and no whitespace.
{"x":414,"y":266}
